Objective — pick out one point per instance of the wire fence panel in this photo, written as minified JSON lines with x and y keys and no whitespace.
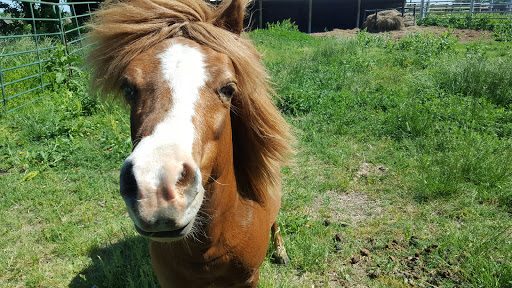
{"x":474,"y":10}
{"x":495,"y":9}
{"x":30,"y":33}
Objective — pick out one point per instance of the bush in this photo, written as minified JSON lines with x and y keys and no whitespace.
{"x":286,"y":25}
{"x":503,"y":31}
{"x":372,"y":40}
{"x":69,"y":76}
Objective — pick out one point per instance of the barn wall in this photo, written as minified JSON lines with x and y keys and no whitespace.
{"x":326,"y":14}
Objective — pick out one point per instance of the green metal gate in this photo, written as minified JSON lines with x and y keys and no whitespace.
{"x":30,"y":31}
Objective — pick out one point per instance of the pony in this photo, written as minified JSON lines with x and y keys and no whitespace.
{"x":202,"y":181}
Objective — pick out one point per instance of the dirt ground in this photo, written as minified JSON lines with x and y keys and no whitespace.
{"x":464,"y":35}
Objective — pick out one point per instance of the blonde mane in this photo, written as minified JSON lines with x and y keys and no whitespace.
{"x":121,"y":30}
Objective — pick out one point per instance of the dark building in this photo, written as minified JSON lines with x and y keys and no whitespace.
{"x":324,"y":14}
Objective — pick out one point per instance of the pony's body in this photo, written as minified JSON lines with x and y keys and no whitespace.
{"x":202,"y":181}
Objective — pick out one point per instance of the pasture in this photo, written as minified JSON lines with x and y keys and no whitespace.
{"x":402,"y":174}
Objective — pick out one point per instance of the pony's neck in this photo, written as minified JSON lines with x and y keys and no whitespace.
{"x":221,"y":196}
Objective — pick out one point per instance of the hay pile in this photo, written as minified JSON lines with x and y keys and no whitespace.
{"x":388,"y":20}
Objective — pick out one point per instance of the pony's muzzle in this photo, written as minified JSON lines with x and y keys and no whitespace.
{"x":165,"y":206}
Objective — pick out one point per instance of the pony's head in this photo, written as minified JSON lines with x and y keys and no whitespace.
{"x":200,"y":107}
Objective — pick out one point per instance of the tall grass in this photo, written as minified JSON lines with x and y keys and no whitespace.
{"x":479,"y":77}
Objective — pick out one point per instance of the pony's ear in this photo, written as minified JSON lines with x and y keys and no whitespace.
{"x":230,"y":15}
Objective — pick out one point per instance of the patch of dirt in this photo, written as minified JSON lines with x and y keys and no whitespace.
{"x":352,"y":208}
{"x":464,"y":35}
{"x":416,"y":270}
{"x":368,"y":170}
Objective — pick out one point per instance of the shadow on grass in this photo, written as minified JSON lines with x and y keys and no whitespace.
{"x":122,"y":264}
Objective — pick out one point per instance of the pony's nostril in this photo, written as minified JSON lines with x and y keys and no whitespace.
{"x":128,"y":182}
{"x":187,"y":175}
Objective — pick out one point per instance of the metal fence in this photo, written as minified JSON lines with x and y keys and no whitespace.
{"x":30,"y":33}
{"x":414,"y":10}
{"x":431,"y":7}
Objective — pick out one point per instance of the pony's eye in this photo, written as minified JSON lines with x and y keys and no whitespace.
{"x":227,"y":91}
{"x":129,"y":92}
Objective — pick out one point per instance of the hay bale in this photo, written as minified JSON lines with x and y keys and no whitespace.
{"x":388,"y":20}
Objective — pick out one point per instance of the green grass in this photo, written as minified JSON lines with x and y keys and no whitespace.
{"x":405,"y":153}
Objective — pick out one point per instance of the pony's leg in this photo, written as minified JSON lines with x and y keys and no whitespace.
{"x":280,"y":256}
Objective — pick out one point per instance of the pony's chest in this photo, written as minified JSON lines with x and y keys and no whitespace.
{"x":221,"y":271}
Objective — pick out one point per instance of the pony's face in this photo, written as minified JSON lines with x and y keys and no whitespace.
{"x":180,"y":98}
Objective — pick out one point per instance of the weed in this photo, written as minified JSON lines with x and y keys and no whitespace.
{"x":368,"y":39}
{"x":284,"y":26}
{"x":421,"y":48}
{"x":69,"y":76}
{"x":503,"y":31}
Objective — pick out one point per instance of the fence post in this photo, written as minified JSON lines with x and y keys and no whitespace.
{"x":260,"y":7}
{"x":358,"y":18}
{"x":2,"y":85}
{"x":310,"y":15}
{"x":36,"y":38}
{"x":64,"y":39}
{"x":472,"y":7}
{"x":62,"y":33}
{"x":510,"y":7}
{"x":422,"y":9}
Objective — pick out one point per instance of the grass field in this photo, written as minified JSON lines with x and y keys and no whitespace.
{"x":402,"y":174}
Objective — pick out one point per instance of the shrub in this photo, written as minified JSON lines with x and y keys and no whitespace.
{"x":371,"y":40}
{"x":286,"y":25}
{"x":503,"y":31}
{"x":69,"y":76}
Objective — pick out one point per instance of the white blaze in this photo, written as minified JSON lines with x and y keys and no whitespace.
{"x":184,"y":70}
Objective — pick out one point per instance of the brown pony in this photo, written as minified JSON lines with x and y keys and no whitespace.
{"x":203,"y":179}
